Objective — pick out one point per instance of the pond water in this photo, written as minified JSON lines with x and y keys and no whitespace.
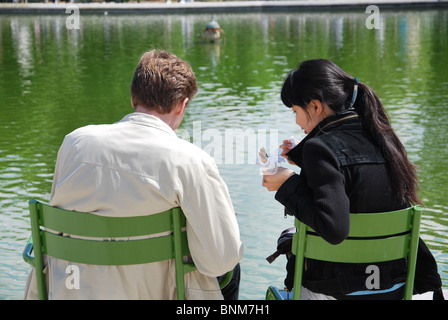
{"x":54,"y":80}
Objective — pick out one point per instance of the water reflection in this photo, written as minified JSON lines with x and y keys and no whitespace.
{"x":53,"y":80}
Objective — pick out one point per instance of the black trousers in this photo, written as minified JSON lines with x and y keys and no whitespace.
{"x":232,"y":289}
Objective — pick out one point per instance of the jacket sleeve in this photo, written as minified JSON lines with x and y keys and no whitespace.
{"x":212,"y":228}
{"x":317,"y":196}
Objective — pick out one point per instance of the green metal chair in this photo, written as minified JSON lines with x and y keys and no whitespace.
{"x":128,"y":252}
{"x":373,"y":237}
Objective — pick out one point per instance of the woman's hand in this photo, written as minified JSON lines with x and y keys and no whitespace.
{"x":273,"y":182}
{"x":286,"y":147}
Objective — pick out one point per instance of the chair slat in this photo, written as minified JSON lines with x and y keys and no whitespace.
{"x":110,"y":252}
{"x":93,"y":225}
{"x":357,"y":251}
{"x":380,"y":224}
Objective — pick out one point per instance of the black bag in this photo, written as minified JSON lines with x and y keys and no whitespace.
{"x":284,"y":246}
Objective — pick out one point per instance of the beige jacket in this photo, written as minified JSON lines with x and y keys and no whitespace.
{"x":138,"y":166}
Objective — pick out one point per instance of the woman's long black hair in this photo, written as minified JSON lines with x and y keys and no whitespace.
{"x":323,"y":80}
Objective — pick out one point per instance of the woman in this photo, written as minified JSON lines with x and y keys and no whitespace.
{"x":351,"y":161}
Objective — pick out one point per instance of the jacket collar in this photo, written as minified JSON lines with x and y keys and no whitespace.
{"x":328,"y":124}
{"x":334,"y":121}
{"x":148,"y":120}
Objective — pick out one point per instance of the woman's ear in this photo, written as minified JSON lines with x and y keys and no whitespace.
{"x":320,"y":109}
{"x":316,"y":107}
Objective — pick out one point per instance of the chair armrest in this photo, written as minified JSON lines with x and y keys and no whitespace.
{"x":188,"y":267}
{"x":27,"y":252}
{"x":226,"y":279}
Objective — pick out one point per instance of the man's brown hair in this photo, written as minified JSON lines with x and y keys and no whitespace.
{"x":161,"y":80}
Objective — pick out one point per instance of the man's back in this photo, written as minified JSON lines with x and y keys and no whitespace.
{"x":134,"y":167}
{"x":138,"y":166}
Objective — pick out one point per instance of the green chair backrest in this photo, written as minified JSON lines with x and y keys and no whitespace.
{"x":171,"y":245}
{"x":373,"y":237}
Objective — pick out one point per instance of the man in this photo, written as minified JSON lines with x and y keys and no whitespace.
{"x":138,"y":166}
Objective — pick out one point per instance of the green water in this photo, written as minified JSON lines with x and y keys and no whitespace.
{"x":53,"y":80}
